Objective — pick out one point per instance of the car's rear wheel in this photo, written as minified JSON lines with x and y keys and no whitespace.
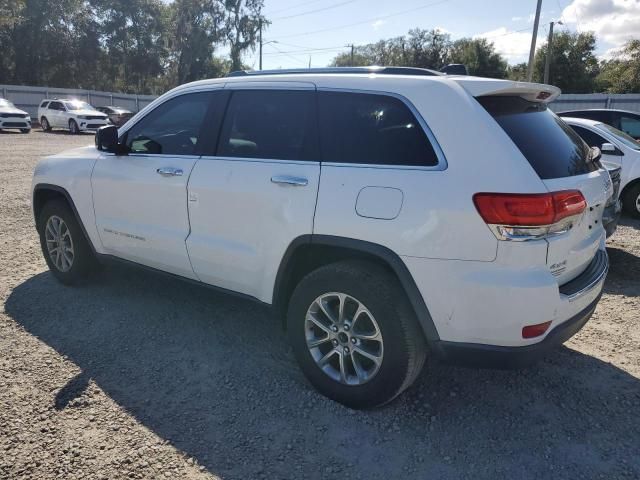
{"x":64,"y":246}
{"x":631,"y":200}
{"x":354,"y":334}
{"x":73,"y":127}
{"x":44,"y":123}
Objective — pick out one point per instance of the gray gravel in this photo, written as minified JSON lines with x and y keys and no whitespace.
{"x":138,"y":376}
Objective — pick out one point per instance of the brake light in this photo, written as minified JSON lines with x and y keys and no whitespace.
{"x":532,"y":331}
{"x":514,"y":216}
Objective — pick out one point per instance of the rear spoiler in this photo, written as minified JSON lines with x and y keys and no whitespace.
{"x":533,"y":92}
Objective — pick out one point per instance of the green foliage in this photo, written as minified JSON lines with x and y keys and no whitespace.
{"x":574,"y":66}
{"x":622,"y":74}
{"x":429,"y":49}
{"x":144,"y":46}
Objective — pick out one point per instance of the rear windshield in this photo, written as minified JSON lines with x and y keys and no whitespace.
{"x":551,"y":146}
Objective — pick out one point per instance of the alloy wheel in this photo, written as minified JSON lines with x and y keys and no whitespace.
{"x":343,"y":338}
{"x":59,"y":243}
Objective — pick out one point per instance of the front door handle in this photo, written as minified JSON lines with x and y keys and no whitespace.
{"x":290,"y":180}
{"x":170,"y":172}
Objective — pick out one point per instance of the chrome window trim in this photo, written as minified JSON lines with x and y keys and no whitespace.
{"x":260,"y":160}
{"x":442,"y":160}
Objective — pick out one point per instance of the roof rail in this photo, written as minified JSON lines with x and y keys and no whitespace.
{"x":334,"y":70}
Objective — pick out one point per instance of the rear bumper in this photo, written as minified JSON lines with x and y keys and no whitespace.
{"x":493,"y":356}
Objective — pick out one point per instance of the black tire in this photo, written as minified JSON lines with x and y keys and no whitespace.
{"x":25,"y":130}
{"x":84,"y":261}
{"x":73,"y":127}
{"x":631,"y":200}
{"x":379,"y":291}
{"x":44,"y":123}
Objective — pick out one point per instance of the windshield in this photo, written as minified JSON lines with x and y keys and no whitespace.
{"x":78,"y":105}
{"x":6,"y":103}
{"x":625,"y":138}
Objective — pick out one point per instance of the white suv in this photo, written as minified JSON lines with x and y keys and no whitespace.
{"x":74,"y":115}
{"x":388,"y":214}
{"x":13,"y":118}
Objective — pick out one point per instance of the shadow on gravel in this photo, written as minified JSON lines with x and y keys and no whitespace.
{"x":212,"y":375}
{"x":624,"y":273}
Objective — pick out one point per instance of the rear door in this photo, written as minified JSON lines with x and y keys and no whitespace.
{"x":256,"y":190}
{"x":563,"y":162}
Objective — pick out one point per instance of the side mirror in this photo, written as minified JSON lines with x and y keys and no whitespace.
{"x":610,"y":149}
{"x":107,"y":140}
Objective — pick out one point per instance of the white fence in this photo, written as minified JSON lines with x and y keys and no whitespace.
{"x":28,"y":98}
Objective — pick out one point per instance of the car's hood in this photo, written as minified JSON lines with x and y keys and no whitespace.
{"x":89,"y":152}
{"x":13,"y":110}
{"x":89,"y":112}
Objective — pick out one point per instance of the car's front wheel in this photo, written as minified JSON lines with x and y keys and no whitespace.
{"x":354,"y":334}
{"x":631,"y":200}
{"x":64,"y":246}
{"x":44,"y":123}
{"x":73,"y":127}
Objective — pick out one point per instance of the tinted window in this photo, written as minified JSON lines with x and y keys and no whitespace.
{"x":552,"y":148}
{"x":598,"y":115}
{"x":270,"y":124}
{"x":630,"y":126}
{"x":44,"y":104}
{"x":371,"y":129}
{"x":592,"y":139}
{"x":56,"y":106}
{"x":173,"y":128}
{"x":623,"y":137}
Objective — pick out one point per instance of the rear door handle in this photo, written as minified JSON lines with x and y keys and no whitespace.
{"x":290,"y":180}
{"x":170,"y":172}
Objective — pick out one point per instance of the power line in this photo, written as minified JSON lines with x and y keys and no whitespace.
{"x":404,"y":12}
{"x":287,"y":55}
{"x":309,"y":12}
{"x":296,"y":6}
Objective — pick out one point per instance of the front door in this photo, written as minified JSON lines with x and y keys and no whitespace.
{"x":140,"y":199}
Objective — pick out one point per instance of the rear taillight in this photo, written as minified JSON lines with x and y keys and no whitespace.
{"x":514,"y":216}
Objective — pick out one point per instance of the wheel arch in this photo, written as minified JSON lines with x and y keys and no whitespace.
{"x":629,"y":185}
{"x":308,"y":252}
{"x":45,"y":192}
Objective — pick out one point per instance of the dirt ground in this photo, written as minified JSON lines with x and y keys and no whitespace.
{"x":138,"y":376}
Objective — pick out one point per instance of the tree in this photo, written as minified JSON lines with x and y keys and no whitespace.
{"x":622,"y":74}
{"x":479,"y":56}
{"x":243,"y":19}
{"x":574,"y":66}
{"x":517,"y":72}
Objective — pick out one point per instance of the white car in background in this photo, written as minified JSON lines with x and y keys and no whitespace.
{"x":75,"y":115}
{"x":12,"y":117}
{"x":619,"y":148}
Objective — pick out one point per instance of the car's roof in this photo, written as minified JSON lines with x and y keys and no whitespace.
{"x":617,"y":110}
{"x":587,"y":122}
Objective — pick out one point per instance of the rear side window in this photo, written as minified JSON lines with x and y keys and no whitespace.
{"x":630,"y":126}
{"x":372,"y":129}
{"x":591,"y":138}
{"x":270,"y":124}
{"x":552,"y":148}
{"x":173,"y":128}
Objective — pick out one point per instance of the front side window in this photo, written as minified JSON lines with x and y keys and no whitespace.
{"x":364,"y":128}
{"x":78,"y":105}
{"x":270,"y":124}
{"x":591,"y":138}
{"x":623,"y":137}
{"x":630,"y":126}
{"x":173,"y":128}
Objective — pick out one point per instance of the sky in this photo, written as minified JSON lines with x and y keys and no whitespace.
{"x":314,"y":31}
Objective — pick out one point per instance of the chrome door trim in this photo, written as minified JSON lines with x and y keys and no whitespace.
{"x":290,"y":180}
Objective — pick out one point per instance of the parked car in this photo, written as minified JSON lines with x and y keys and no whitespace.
{"x":625,"y":120}
{"x":117,"y":115}
{"x":13,"y":118}
{"x":618,"y":148}
{"x":356,"y":202}
{"x":74,"y":115}
{"x":613,"y":207}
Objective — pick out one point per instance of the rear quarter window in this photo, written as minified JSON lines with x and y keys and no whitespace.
{"x":550,"y":146}
{"x":44,"y":104}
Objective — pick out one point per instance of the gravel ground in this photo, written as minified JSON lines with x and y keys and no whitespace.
{"x":138,"y":376}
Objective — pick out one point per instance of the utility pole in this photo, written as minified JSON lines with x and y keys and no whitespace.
{"x":309,"y":62}
{"x":532,"y":52}
{"x":547,"y":62}
{"x":260,"y":40}
{"x":352,"y":47}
